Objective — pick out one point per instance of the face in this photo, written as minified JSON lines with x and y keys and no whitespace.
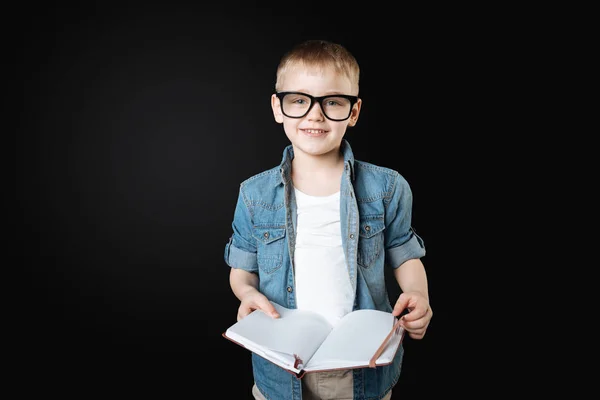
{"x":314,"y":134}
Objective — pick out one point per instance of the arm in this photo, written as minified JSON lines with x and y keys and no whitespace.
{"x":404,"y":249}
{"x":244,"y":285}
{"x":240,"y":255}
{"x":412,"y":279}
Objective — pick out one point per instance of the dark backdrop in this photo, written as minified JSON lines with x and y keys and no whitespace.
{"x":135,"y":128}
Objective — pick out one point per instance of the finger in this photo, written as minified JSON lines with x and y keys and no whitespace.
{"x":416,"y":314}
{"x":415,"y":335}
{"x":413,"y":325}
{"x":245,"y":309}
{"x":414,"y":331}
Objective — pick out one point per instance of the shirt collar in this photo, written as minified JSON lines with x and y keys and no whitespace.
{"x":285,"y":167}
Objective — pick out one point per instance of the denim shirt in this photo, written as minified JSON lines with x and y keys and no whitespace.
{"x":375,"y":216}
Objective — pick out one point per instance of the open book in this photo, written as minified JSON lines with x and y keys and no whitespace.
{"x":303,"y":341}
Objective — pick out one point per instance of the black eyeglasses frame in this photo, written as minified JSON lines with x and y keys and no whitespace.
{"x":319,"y":99}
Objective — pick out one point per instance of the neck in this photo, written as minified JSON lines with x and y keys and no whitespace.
{"x":317,"y":164}
{"x":318,"y":175}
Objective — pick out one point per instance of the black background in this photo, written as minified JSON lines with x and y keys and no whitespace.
{"x":136,"y":126}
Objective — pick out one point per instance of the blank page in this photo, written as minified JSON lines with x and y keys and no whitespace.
{"x":295,"y":332}
{"x":355,"y":340}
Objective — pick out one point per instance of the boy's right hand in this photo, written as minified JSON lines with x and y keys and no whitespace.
{"x":255,"y":300}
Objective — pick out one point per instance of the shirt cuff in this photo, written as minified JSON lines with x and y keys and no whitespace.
{"x":414,"y":248}
{"x":237,"y":258}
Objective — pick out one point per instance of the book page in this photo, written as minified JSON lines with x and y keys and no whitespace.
{"x":295,"y":332}
{"x":355,"y":340}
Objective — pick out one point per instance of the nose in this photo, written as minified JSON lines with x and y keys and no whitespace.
{"x":316,"y":112}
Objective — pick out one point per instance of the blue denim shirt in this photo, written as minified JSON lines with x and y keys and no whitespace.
{"x":375,"y":207}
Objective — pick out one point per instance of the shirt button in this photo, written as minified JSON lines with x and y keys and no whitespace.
{"x":367,"y":228}
{"x":289,"y":289}
{"x":352,"y":236}
{"x":266,"y":235}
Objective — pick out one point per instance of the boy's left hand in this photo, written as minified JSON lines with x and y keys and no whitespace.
{"x":419,"y":313}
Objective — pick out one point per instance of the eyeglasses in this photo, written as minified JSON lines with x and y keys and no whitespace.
{"x":337,"y":107}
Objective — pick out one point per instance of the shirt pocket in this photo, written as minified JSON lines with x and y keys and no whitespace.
{"x":269,"y":249}
{"x":370,"y":240}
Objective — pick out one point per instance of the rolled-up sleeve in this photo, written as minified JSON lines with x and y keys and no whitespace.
{"x":240,"y":250}
{"x":401,"y":241}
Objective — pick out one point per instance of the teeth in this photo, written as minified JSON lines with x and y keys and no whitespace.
{"x":314,"y":130}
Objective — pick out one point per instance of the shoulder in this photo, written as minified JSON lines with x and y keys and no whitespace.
{"x":270,"y":176}
{"x":264,"y":189}
{"x":378,"y":180}
{"x":369,"y":168}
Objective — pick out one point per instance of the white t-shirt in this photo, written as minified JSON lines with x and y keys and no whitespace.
{"x":322,"y":279}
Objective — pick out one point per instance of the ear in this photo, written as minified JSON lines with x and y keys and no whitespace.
{"x":276,"y":109}
{"x":355,"y":113}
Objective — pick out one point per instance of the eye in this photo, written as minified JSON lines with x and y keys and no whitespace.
{"x":296,"y":99}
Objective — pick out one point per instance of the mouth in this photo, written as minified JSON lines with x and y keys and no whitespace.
{"x":313,"y":132}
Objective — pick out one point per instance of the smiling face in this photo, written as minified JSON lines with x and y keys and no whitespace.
{"x":314,"y":134}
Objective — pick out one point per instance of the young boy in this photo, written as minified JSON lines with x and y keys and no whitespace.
{"x":316,"y":231}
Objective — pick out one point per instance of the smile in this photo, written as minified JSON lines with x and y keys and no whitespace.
{"x":314,"y":131}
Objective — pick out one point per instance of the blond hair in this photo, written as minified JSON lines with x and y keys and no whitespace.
{"x":319,"y":54}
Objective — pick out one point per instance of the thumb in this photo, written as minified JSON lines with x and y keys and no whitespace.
{"x":268,"y":308}
{"x":401,"y":304}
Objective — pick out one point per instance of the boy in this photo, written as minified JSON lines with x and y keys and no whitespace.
{"x":316,"y":231}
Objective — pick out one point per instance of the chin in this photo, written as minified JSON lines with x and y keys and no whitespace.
{"x":317,"y":149}
{"x":315,"y":145}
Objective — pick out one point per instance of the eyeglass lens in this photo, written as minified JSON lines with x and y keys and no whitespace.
{"x":297,"y":105}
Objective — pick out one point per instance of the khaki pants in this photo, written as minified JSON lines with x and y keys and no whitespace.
{"x":330,"y":385}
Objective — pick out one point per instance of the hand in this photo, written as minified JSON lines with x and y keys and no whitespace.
{"x":255,"y":300}
{"x":419,"y":315}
